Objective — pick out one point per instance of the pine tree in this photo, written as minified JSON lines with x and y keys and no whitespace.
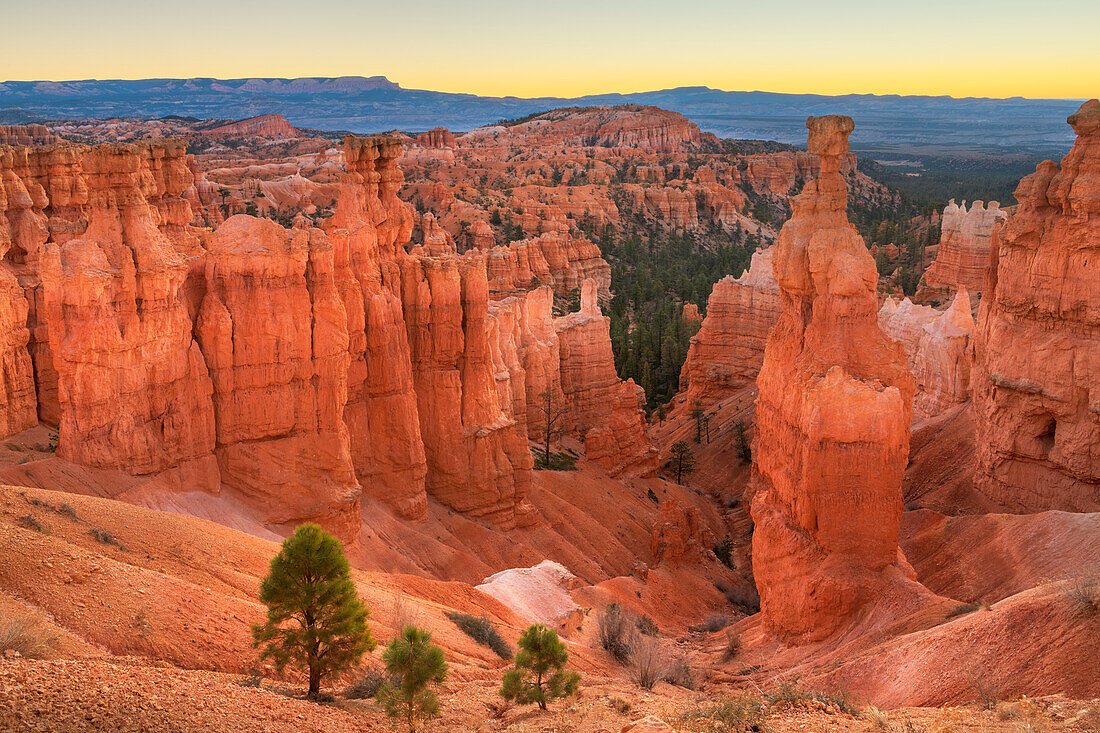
{"x":540,"y":674}
{"x":419,"y":664}
{"x":682,"y":459}
{"x":315,"y":619}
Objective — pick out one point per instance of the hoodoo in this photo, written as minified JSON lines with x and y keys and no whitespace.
{"x":833,"y":416}
{"x":1036,"y":381}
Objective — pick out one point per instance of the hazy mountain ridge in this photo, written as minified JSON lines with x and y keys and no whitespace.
{"x":375,"y":104}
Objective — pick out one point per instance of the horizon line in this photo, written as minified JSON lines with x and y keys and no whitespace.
{"x":541,"y":97}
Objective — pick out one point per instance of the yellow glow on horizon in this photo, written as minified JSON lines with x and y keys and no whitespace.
{"x":986,"y":48}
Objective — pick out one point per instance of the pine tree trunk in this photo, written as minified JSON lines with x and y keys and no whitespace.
{"x":314,"y":682}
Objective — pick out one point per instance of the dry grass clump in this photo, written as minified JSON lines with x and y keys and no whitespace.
{"x":739,"y":714}
{"x":647,"y":665}
{"x":368,"y":684}
{"x":733,"y":646}
{"x":1083,"y":595}
{"x":792,"y":695}
{"x":616,"y":633}
{"x":27,"y":636}
{"x":877,"y":717}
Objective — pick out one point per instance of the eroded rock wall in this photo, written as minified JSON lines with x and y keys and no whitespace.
{"x":726,"y":353}
{"x":605,"y":412}
{"x":936,"y":349}
{"x":1036,"y":381}
{"x":962,"y":259}
{"x":274,"y":333}
{"x":478,"y":461}
{"x":553,"y":259}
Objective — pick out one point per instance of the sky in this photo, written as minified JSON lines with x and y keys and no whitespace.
{"x":1045,"y":48}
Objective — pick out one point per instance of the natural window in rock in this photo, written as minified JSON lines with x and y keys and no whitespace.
{"x":1045,"y":439}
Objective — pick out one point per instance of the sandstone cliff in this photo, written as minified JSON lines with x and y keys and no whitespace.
{"x":936,"y":348}
{"x":832,"y":420}
{"x":294,"y":370}
{"x":962,"y":259}
{"x":557,"y":260}
{"x":437,"y":137}
{"x":606,"y":413}
{"x":274,"y":333}
{"x":272,"y":126}
{"x":728,"y":350}
{"x":478,"y":459}
{"x":1036,"y":381}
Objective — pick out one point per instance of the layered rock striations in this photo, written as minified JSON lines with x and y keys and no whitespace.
{"x":27,"y":135}
{"x":273,"y":126}
{"x":1036,"y":376}
{"x":478,"y":460}
{"x":557,"y":260}
{"x":274,"y":333}
{"x":133,"y":387}
{"x":962,"y":259}
{"x":833,"y":415}
{"x":605,"y":412}
{"x":18,"y":404}
{"x":367,"y":231}
{"x":726,"y":354}
{"x":936,"y":348}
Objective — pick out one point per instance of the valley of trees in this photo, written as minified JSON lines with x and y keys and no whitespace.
{"x":653,"y":274}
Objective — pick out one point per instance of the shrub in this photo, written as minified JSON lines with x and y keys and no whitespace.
{"x":558,"y":461}
{"x":733,"y":646}
{"x":369,"y":683}
{"x":744,"y":712}
{"x":744,"y":596}
{"x":961,"y":609}
{"x":315,"y":620}
{"x":614,"y":632}
{"x":28,"y":522}
{"x":724,"y":551}
{"x":744,"y":449}
{"x":481,"y":630}
{"x":1083,"y":595}
{"x":712,"y":623}
{"x":647,"y":665}
{"x":678,"y":672}
{"x":647,"y":625}
{"x":619,"y":705}
{"x":419,"y":664}
{"x":986,"y":691}
{"x":539,"y":675}
{"x":103,"y":536}
{"x":28,"y":636}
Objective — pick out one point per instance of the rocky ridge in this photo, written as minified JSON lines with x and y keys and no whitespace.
{"x":1037,"y":352}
